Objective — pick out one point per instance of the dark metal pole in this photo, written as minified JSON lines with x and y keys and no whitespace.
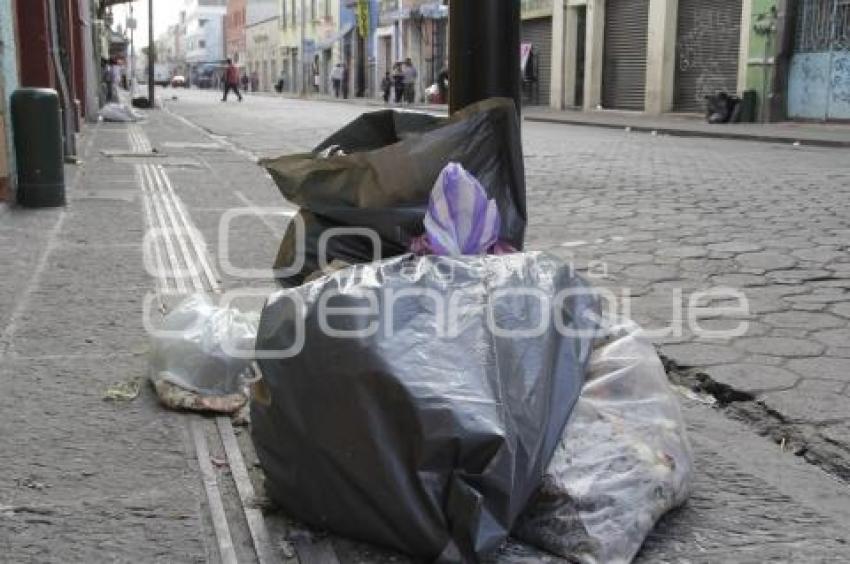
{"x":483,"y":51}
{"x":151,"y":54}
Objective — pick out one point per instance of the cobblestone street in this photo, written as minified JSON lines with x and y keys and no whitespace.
{"x":659,"y":221}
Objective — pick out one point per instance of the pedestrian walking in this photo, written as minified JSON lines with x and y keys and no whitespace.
{"x":410,"y":76}
{"x":345,"y":81}
{"x":231,"y":81}
{"x":336,"y":79}
{"x":398,"y":82}
{"x":386,"y":87}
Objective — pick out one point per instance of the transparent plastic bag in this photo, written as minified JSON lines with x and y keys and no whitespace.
{"x":192,"y":365}
{"x":119,"y":113}
{"x":623,"y":462}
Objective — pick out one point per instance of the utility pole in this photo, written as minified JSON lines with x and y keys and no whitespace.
{"x":132,"y":26}
{"x":400,"y":44}
{"x":303,"y":49}
{"x":151,"y":55}
{"x":483,"y":51}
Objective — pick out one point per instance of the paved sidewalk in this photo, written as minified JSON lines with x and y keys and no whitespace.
{"x":678,"y":125}
{"x":88,"y":480}
{"x":83,"y":479}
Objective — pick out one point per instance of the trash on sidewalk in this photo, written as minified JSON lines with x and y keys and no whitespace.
{"x":141,"y":102}
{"x":201,"y":356}
{"x":722,"y":108}
{"x":121,"y":113}
{"x":379,"y":175}
{"x":124,"y":391}
{"x":396,"y":413}
{"x":460,"y":220}
{"x":624,"y":460}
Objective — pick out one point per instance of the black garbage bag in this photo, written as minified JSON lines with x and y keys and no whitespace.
{"x":429,"y":431}
{"x":378,"y":172}
{"x":723,"y":108}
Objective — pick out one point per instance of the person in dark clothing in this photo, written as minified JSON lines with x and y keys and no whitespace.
{"x":443,"y":85}
{"x":345,"y":81}
{"x":386,"y":87}
{"x":231,"y":81}
{"x":398,"y":82}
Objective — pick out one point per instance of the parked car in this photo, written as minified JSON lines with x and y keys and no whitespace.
{"x":178,"y":81}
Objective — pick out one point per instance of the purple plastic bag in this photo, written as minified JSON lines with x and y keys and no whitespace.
{"x":460,"y":220}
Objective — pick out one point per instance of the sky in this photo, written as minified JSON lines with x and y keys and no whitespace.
{"x":165,"y":13}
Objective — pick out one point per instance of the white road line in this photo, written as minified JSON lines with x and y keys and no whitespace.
{"x":239,"y":472}
{"x":165,"y":230}
{"x":208,"y":475}
{"x":179,"y":230}
{"x":175,"y":221}
{"x":162,"y":284}
{"x":193,"y":233}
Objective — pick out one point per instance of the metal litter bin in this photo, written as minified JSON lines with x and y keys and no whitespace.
{"x":37,"y":127}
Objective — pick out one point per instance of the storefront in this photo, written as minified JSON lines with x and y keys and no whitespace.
{"x":708,"y":44}
{"x":624,"y":70}
{"x":537,"y":71}
{"x":819,"y":81}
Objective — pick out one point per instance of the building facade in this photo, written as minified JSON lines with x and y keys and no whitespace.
{"x":818,"y":63}
{"x":358,"y":23}
{"x":204,"y":40}
{"x":659,"y":56}
{"x":536,"y":45}
{"x":234,"y":30}
{"x":32,"y":34}
{"x":262,"y":55}
{"x":414,"y":29}
{"x":652,"y":56}
{"x":310,"y":33}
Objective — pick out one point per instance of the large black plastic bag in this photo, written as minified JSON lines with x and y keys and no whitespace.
{"x":429,"y":444}
{"x":384,"y":180}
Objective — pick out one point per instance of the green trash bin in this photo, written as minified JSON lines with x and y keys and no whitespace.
{"x":37,"y":130}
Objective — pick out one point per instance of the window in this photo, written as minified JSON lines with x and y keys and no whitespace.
{"x":283,"y":14}
{"x":202,"y":44}
{"x":202,"y":23}
{"x":294,"y":17}
{"x":314,"y":12}
{"x":328,"y":9}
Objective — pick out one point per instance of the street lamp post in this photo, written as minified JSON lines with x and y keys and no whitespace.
{"x":151,"y":54}
{"x":132,"y":25}
{"x":483,"y":51}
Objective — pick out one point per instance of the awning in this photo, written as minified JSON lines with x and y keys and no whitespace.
{"x":328,"y":42}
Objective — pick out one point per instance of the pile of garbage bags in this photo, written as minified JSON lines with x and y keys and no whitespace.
{"x":449,"y":390}
{"x":419,"y":400}
{"x":378,"y":173}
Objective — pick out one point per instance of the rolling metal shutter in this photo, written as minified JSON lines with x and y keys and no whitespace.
{"x":538,"y":32}
{"x":624,"y":75}
{"x":707,"y":51}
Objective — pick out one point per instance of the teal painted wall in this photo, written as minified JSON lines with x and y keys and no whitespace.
{"x":8,"y":73}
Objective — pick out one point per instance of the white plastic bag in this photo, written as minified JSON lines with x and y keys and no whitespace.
{"x":192,"y":362}
{"x":118,"y":113}
{"x":623,"y":462}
